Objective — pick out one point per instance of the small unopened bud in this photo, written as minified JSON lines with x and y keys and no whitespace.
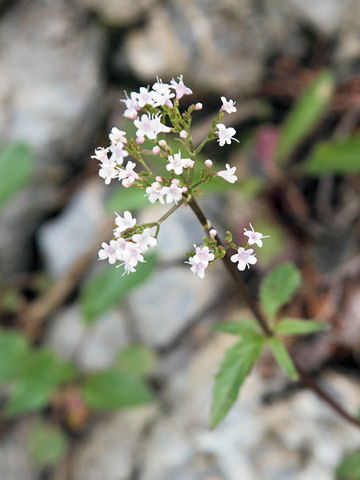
{"x":156,"y":150}
{"x":158,"y":178}
{"x":198,"y":106}
{"x":190,"y":163}
{"x":212,"y":233}
{"x":184,"y":189}
{"x":208,"y":163}
{"x":162,"y":143}
{"x":140,"y":140}
{"x":184,"y":134}
{"x":175,"y":181}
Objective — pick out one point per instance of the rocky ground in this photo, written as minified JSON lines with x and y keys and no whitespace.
{"x":64,"y":65}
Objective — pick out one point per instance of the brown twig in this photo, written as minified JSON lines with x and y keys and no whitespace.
{"x":262,"y":321}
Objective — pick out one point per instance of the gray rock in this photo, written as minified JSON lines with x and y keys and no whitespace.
{"x":91,"y":347}
{"x":64,"y":239}
{"x":230,"y":41}
{"x":118,"y":12}
{"x":112,"y":449}
{"x":164,"y":306}
{"x":15,"y":463}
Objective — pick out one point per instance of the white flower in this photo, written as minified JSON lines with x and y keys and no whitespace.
{"x":108,"y":171}
{"x":132,"y":105}
{"x":101,"y":154}
{"x":204,"y":254}
{"x":118,"y":153}
{"x":131,"y":256}
{"x":197,"y":266}
{"x":225,"y":134}
{"x":177,"y":163}
{"x":228,"y":174}
{"x":180,"y":88}
{"x":150,"y":126}
{"x":108,"y":252}
{"x":161,"y":94}
{"x":127,"y":175}
{"x":255,"y":237}
{"x":123,"y":223}
{"x":173,"y":192}
{"x":156,"y":192}
{"x":157,"y":126}
{"x":145,"y":239}
{"x":228,"y":106}
{"x":117,"y":136}
{"x":144,"y":97}
{"x":245,"y":258}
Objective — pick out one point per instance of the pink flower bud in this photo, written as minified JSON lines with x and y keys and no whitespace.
{"x":156,"y":150}
{"x":198,"y":106}
{"x":213,"y":233}
{"x":159,"y":179}
{"x":208,"y":163}
{"x":190,"y":163}
{"x":162,"y":143}
{"x":140,"y":140}
{"x":184,"y":189}
{"x":175,"y":181}
{"x":183,"y":134}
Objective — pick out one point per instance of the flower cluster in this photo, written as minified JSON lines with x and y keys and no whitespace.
{"x":165,"y":174}
{"x":127,"y":247}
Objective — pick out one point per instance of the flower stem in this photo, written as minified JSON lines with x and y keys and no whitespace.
{"x":263,"y":321}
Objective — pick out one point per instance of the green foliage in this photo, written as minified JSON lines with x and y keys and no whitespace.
{"x":278,"y":287}
{"x":48,"y":445}
{"x":282,"y":357}
{"x":235,"y":367}
{"x":16,"y":168}
{"x":13,"y":351}
{"x":299,"y":326}
{"x":305,"y":115}
{"x":349,"y":468}
{"x":112,"y":389}
{"x":137,"y":360}
{"x":39,"y":376}
{"x":109,"y":287}
{"x":244,"y":327}
{"x":126,"y":199}
{"x":338,"y":156}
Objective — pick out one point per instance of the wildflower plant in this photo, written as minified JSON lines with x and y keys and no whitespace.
{"x":175,"y":177}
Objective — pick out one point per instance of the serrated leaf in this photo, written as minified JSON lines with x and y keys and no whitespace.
{"x":305,"y":115}
{"x":238,"y":328}
{"x":126,"y":199}
{"x":111,"y":389}
{"x":13,"y":350}
{"x":109,"y":287}
{"x":137,"y":360}
{"x":40,"y":375}
{"x":16,"y":167}
{"x":298,"y":326}
{"x":48,"y":445}
{"x":339,"y":156}
{"x":278,"y":287}
{"x":349,"y":468}
{"x":235,"y":367}
{"x":283,"y":358}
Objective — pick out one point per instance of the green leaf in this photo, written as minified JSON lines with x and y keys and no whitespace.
{"x":16,"y":167}
{"x":278,"y":287}
{"x":283,"y":358}
{"x":13,"y":350}
{"x":109,"y":287}
{"x":238,"y":328}
{"x":48,"y":445}
{"x":137,"y":360}
{"x":305,"y":115}
{"x":349,"y":468}
{"x":40,"y":375}
{"x":126,"y":199}
{"x":111,"y":389}
{"x":339,"y":156}
{"x":234,"y":369}
{"x":299,"y":326}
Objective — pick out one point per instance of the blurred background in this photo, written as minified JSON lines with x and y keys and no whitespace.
{"x":106,"y":379}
